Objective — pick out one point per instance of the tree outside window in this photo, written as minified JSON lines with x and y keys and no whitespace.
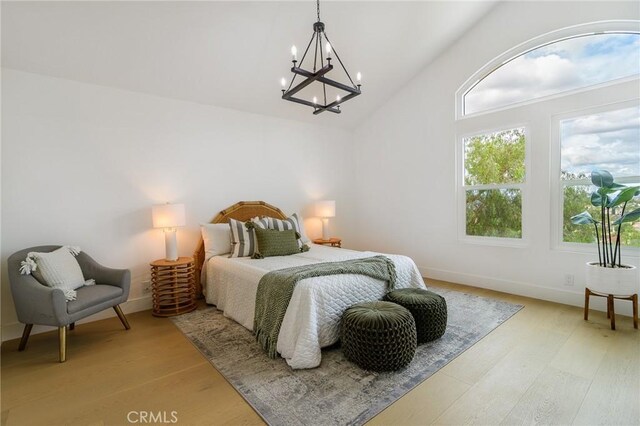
{"x":494,"y":172}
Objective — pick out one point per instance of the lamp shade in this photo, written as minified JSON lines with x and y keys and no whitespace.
{"x":326,"y":208}
{"x":168,"y":215}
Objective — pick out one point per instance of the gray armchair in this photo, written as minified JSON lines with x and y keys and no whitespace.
{"x":38,"y":304}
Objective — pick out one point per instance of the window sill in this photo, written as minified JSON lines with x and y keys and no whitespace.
{"x":494,"y":241}
{"x":590,"y":249}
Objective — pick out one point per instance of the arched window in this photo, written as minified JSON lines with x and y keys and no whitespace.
{"x":553,"y":67}
{"x":573,"y":95}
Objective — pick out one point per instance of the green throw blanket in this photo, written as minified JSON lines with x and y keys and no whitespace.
{"x":276,"y":288}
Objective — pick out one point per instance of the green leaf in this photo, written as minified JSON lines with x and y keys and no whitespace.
{"x":600,"y":196}
{"x":601,"y":178}
{"x":596,"y":199}
{"x":605,"y":190}
{"x":623,"y":196}
{"x":583,"y":218}
{"x":629,"y":217}
{"x":616,"y":186}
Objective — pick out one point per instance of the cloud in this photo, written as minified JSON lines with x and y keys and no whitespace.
{"x":556,"y":68}
{"x":609,"y":140}
{"x":611,"y":121}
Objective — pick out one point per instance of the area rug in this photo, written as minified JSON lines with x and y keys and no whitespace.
{"x":337,"y":392}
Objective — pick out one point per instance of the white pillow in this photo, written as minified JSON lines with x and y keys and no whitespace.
{"x":217,"y":239}
{"x":56,"y":269}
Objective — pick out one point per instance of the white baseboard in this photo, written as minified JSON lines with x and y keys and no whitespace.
{"x":567,"y":297}
{"x":14,"y":330}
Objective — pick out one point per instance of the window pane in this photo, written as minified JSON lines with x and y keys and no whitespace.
{"x":609,"y":140}
{"x":494,"y":158}
{"x":577,"y":198}
{"x":555,"y":68}
{"x":494,"y":213}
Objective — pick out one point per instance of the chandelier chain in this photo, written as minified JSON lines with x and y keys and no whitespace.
{"x":318,"y":9}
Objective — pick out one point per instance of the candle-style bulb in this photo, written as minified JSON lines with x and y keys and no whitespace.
{"x":315,"y":100}
{"x":283,"y":82}
{"x":294,"y":52}
{"x":338,"y":98}
{"x":328,"y":47}
{"x":359,"y":78}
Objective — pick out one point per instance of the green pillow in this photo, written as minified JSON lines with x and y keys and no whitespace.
{"x":272,"y":242}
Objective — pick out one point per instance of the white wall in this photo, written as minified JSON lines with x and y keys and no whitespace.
{"x":83,"y":164}
{"x":405,"y":164}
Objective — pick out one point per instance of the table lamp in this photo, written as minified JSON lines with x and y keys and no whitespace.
{"x":325,"y":209}
{"x":169,"y":217}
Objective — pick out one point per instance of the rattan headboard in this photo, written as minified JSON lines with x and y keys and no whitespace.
{"x":242,"y":210}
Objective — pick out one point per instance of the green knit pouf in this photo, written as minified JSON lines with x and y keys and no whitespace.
{"x":378,"y":336}
{"x":428,"y":309}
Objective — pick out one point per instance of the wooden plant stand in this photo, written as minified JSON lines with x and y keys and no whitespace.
{"x":611,"y":313}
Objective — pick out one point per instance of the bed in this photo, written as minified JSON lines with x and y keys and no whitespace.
{"x":312,"y":318}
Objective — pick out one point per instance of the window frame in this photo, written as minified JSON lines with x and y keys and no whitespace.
{"x":582,"y":30}
{"x":558,"y":185}
{"x":462,"y":188}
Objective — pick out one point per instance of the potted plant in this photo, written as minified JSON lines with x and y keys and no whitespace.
{"x":609,"y":275}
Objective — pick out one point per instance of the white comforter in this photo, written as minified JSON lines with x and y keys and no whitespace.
{"x":312,"y":319}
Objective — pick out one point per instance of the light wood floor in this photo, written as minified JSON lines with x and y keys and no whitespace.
{"x":544,"y":365}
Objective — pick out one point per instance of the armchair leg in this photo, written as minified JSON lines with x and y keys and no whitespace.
{"x":62,"y":337}
{"x":123,"y":319}
{"x":25,"y":337}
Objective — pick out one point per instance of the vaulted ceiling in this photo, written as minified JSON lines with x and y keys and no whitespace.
{"x":230,"y":54}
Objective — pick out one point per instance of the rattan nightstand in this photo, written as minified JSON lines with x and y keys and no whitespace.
{"x":333,"y":242}
{"x":173,"y":286}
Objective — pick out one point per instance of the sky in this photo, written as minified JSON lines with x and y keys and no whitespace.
{"x":609,"y":140}
{"x":565,"y":65}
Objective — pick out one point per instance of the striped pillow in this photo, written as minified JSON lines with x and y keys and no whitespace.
{"x":262,"y":223}
{"x":292,"y":222}
{"x":243,"y":240}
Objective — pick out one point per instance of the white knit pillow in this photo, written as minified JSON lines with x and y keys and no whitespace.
{"x":57,"y":269}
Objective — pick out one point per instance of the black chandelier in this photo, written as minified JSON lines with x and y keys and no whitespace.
{"x":320,"y":70}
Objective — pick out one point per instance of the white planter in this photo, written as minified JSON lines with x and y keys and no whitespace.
{"x":623,"y":281}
